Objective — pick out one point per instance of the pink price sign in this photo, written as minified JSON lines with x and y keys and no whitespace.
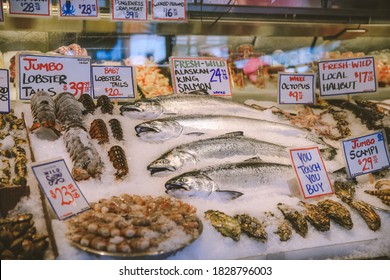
{"x":296,"y":88}
{"x":60,"y":189}
{"x":30,"y":7}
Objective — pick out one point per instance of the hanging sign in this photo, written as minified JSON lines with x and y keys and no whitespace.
{"x":4,"y":91}
{"x":129,"y":10}
{"x":1,"y":14}
{"x":347,"y":76}
{"x":78,"y":8}
{"x":60,"y":189}
{"x":200,"y":74}
{"x":169,"y":10}
{"x":30,"y":7}
{"x":113,"y":81}
{"x":54,"y":74}
{"x":296,"y":88}
{"x":311,"y":172}
{"x":366,"y":154}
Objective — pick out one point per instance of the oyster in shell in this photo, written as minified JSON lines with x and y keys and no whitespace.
{"x":316,"y":216}
{"x":337,"y":212}
{"x":368,"y":214}
{"x":296,"y":219}
{"x":252,"y":227}
{"x":225,"y":224}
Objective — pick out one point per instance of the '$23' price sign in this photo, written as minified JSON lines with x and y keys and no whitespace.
{"x":60,"y":189}
{"x":366,"y":154}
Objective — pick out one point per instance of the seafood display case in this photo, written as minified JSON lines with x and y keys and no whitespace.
{"x":198,"y":176}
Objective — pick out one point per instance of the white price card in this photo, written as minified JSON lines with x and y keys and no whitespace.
{"x":54,"y":74}
{"x":210,"y":75}
{"x":78,"y":8}
{"x":113,"y":81}
{"x":366,"y":154}
{"x":311,"y":172}
{"x":296,"y":88}
{"x":60,"y":189}
{"x":347,"y":76}
{"x":129,"y":10}
{"x":169,"y":10}
{"x":4,"y":91}
{"x":30,"y":7}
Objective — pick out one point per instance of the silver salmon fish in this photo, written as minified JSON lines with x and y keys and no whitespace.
{"x":186,"y":104}
{"x":230,"y":145}
{"x":223,"y":180}
{"x":163,"y":129}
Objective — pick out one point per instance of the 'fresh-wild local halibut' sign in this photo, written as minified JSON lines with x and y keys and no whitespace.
{"x":347,"y":76}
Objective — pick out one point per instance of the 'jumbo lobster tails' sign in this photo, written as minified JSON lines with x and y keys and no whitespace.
{"x":54,"y":74}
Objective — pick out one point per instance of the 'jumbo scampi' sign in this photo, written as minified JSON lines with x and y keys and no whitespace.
{"x":311,"y":172}
{"x":366,"y":154}
{"x":347,"y":76}
{"x":54,"y":74}
{"x":210,"y":75}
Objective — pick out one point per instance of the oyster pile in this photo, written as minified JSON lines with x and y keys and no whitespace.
{"x":131,"y":225}
{"x":19,"y":239}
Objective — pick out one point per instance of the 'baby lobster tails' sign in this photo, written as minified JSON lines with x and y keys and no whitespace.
{"x":61,"y":190}
{"x":311,"y":172}
{"x":54,"y":74}
{"x":366,"y":154}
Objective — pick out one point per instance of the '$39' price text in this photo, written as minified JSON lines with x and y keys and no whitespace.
{"x":78,"y":88}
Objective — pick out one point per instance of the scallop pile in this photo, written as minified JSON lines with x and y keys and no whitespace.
{"x":135,"y":225}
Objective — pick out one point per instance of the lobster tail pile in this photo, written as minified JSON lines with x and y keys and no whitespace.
{"x":98,"y":130}
{"x":86,"y":159}
{"x":105,"y":104}
{"x":87,"y":101}
{"x":45,"y":123}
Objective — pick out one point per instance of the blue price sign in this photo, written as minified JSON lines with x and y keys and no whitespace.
{"x":366,"y":154}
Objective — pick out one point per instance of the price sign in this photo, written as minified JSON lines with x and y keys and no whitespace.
{"x":60,"y":189}
{"x":78,"y":8}
{"x":129,"y":10}
{"x":169,"y":10}
{"x":311,"y":172}
{"x":206,"y":74}
{"x":113,"y":81}
{"x":347,"y":76}
{"x":54,"y":74}
{"x":366,"y":154}
{"x":1,"y":14}
{"x":4,"y":91}
{"x":30,"y":7}
{"x":296,"y":88}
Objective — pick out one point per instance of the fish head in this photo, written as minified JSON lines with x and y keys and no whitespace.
{"x":171,"y":161}
{"x":190,"y":184}
{"x":158,"y":130}
{"x":142,"y":109}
